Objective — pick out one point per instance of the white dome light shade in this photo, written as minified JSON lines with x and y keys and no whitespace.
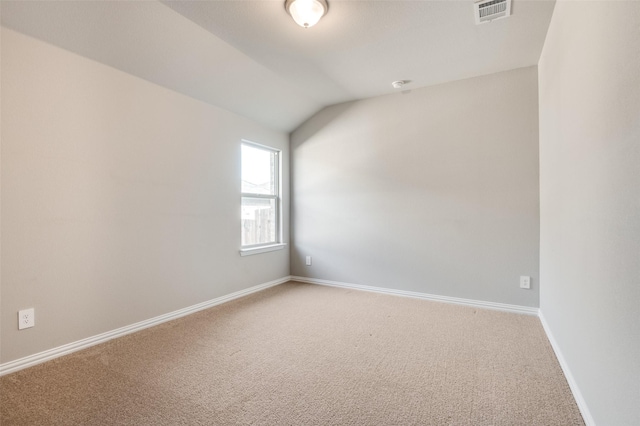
{"x":306,"y":13}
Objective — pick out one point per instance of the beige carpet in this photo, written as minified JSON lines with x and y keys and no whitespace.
{"x":300,"y":354}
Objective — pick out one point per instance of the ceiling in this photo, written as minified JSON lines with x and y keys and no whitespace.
{"x":251,"y":58}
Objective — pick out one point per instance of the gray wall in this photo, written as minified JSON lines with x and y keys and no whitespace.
{"x":120,"y":199}
{"x":590,"y":201}
{"x":433,"y":191}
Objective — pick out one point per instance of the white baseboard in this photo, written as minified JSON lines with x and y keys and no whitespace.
{"x":31,"y":360}
{"x":433,"y":297}
{"x":577,"y":395}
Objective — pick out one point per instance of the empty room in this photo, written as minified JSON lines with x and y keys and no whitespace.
{"x":320,"y":212}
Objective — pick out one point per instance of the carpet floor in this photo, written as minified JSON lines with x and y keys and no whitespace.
{"x":300,"y":354}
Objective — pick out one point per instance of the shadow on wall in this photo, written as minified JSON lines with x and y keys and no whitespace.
{"x":318,"y":122}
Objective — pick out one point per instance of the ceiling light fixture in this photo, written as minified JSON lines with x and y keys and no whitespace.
{"x":306,"y":13}
{"x":399,"y":84}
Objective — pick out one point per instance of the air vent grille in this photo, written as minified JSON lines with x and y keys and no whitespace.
{"x":488,"y":10}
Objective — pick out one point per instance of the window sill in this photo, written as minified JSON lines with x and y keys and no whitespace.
{"x":263,"y":249}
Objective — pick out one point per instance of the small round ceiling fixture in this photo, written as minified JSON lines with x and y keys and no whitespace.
{"x":398,"y":84}
{"x":306,"y":13}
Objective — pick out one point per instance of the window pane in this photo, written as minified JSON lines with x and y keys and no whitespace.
{"x":258,"y":221}
{"x":258,"y":170}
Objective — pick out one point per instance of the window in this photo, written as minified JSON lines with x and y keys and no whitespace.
{"x":260,"y":207}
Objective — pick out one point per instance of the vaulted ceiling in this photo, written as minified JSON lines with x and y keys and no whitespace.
{"x":251,"y":58}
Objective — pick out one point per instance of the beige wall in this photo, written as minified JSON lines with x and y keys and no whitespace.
{"x":432,"y":191}
{"x":590,"y":201}
{"x":120,"y":199}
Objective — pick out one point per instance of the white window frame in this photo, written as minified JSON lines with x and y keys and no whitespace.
{"x":246,"y":250}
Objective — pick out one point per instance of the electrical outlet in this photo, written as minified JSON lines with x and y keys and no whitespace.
{"x":26,"y":318}
{"x":525,"y":282}
{"x":308,"y":261}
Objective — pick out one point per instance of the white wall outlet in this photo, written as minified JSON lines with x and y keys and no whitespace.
{"x":525,"y":282}
{"x":26,"y":318}
{"x":308,"y":261}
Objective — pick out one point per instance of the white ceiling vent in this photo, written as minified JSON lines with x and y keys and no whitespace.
{"x":488,"y":10}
